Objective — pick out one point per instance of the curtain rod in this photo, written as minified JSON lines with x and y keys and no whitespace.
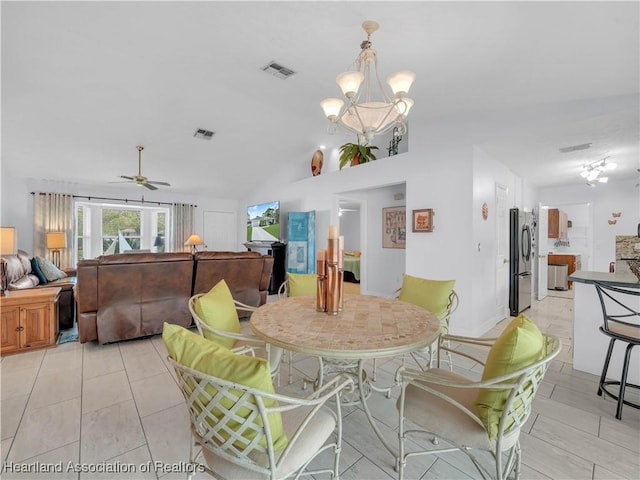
{"x":126,"y":200}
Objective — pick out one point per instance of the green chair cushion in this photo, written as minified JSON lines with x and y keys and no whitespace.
{"x":432,"y":295}
{"x":210,"y":358}
{"x":217,"y":309}
{"x":302,"y":284}
{"x":520,"y":344}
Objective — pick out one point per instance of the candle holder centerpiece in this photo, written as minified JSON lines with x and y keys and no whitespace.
{"x":330,"y":271}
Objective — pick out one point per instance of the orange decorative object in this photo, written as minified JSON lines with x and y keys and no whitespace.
{"x":316,"y":162}
{"x":616,"y":214}
{"x":485,"y":211}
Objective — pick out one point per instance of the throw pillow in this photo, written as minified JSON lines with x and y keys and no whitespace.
{"x":217,"y":309}
{"x":302,"y":284}
{"x":519,"y":345}
{"x":50,"y":270}
{"x":432,"y":295}
{"x":207,"y":357}
{"x":38,"y":272}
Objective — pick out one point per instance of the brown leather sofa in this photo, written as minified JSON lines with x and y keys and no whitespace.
{"x":129,"y":295}
{"x":20,"y":276}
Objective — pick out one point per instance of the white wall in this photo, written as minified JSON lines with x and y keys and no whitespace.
{"x":438,"y":173}
{"x":487,"y":173}
{"x":605,"y":199}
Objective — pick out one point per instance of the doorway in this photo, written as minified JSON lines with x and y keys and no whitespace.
{"x":350,"y":224}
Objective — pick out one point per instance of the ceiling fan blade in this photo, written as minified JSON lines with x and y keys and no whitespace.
{"x":159,"y":183}
{"x":124,"y":176}
{"x":149,"y":186}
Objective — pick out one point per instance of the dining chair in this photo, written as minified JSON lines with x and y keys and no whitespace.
{"x":440,"y":298}
{"x":476,"y":416}
{"x":218,"y":321}
{"x":621,"y":321}
{"x":240,"y":427}
{"x":297,"y":284}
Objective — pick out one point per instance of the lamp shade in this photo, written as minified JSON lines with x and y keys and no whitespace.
{"x":8,"y":241}
{"x":194,"y":240}
{"x":56,"y":240}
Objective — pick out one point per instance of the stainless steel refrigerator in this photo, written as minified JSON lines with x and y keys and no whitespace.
{"x":520,"y":259}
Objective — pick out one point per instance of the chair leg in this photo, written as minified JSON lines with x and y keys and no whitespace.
{"x":623,"y":380}
{"x":607,"y":359}
{"x":290,"y":367}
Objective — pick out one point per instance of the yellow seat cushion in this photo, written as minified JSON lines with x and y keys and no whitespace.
{"x":302,"y":284}
{"x":210,"y":358}
{"x":519,"y":345}
{"x":432,"y":295}
{"x":217,"y":309}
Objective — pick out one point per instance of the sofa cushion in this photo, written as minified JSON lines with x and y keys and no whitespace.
{"x":35,"y":266}
{"x":14,"y":268}
{"x":50,"y":270}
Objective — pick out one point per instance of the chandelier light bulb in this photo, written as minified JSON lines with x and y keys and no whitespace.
{"x":400,"y":82}
{"x":349,"y":82}
{"x":331,"y":107}
{"x":584,"y":173}
{"x":403,"y":106}
{"x":611,"y":166}
{"x":603,"y":179}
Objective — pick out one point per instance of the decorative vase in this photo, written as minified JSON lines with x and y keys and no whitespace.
{"x":316,"y":162}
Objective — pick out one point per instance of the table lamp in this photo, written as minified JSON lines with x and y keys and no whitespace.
{"x":194,"y":240}
{"x":8,"y":246}
{"x":56,"y":241}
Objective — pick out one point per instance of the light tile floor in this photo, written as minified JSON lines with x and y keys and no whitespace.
{"x":118,"y":405}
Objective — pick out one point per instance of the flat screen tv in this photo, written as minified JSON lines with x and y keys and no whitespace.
{"x":263,"y":222}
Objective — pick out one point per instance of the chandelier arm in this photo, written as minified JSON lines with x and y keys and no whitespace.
{"x":384,"y":94}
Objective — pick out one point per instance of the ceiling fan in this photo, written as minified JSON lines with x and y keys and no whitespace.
{"x":140,"y":179}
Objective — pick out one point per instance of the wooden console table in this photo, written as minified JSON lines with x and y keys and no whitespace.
{"x":29,"y":319}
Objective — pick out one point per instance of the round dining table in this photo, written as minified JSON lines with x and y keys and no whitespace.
{"x":367,"y":327}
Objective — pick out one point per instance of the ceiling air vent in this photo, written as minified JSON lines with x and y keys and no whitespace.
{"x":204,"y":134}
{"x":575,"y":148}
{"x":277,"y":70}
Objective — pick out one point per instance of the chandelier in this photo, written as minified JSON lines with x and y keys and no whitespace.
{"x":364,"y":114}
{"x":592,"y":172}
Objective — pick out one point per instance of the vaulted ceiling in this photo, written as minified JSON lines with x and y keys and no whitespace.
{"x":83,"y":83}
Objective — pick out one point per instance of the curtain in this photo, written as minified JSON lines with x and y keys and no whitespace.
{"x":183,"y":225}
{"x":53,"y":212}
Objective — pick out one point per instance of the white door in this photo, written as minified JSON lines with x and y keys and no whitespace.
{"x":220,"y":231}
{"x":502,"y":251}
{"x":542,"y":237}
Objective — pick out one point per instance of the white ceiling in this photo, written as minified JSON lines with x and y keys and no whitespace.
{"x":83,"y":83}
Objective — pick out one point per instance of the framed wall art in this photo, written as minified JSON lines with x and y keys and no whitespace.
{"x":394,"y":227}
{"x":423,"y":220}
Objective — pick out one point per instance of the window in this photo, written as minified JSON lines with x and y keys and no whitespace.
{"x":105,"y":229}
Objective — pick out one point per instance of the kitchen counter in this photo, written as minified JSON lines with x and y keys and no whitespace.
{"x":589,"y":344}
{"x":619,"y":279}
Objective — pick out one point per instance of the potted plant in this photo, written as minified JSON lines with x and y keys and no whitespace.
{"x":355,"y":154}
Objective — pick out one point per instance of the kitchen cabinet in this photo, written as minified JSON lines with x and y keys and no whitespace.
{"x":573,"y":261}
{"x":28,"y":319}
{"x":558,"y":223}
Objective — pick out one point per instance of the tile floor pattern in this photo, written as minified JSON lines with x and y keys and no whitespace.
{"x":89,"y":404}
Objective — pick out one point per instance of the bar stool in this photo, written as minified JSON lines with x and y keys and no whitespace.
{"x":623,"y":325}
